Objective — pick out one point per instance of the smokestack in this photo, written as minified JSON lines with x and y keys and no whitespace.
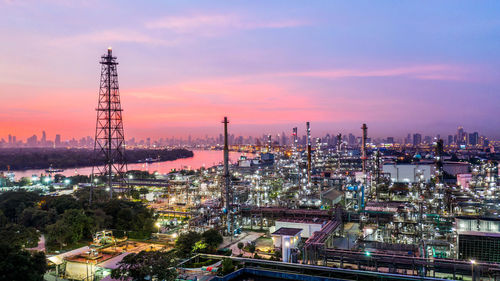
{"x":363,"y":146}
{"x":308,"y":128}
{"x":269,"y":143}
{"x":227,"y":179}
{"x":294,"y":134}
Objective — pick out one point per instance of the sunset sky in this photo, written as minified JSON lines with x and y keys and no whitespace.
{"x":399,"y":66}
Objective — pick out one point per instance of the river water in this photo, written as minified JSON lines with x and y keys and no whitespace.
{"x":201,"y":158}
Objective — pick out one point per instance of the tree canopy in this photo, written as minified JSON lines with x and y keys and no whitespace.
{"x":146,"y":266}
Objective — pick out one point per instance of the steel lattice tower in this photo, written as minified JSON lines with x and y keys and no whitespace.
{"x":109,"y":145}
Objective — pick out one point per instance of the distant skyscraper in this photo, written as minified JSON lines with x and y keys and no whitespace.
{"x":32,"y":141}
{"x":461,"y":135}
{"x":57,"y":141}
{"x":408,"y":139}
{"x":474,"y":138}
{"x":44,"y":138}
{"x":417,"y":139}
{"x":352,"y":139}
{"x":450,"y":139}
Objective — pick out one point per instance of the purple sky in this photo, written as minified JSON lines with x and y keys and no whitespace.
{"x":400,"y":67}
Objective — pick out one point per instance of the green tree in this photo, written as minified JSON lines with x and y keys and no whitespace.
{"x":18,"y":235}
{"x":212,"y":237}
{"x":70,"y":228}
{"x":61,"y":203}
{"x":240,"y":246}
{"x":13,"y":203}
{"x":143,"y":191}
{"x":146,"y":266}
{"x":17,"y":264}
{"x":186,"y":241}
{"x":200,"y":247}
{"x":135,"y":194}
{"x":251,"y":248}
{"x":227,"y":266}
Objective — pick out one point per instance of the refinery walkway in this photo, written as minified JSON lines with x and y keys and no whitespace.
{"x":244,"y":238}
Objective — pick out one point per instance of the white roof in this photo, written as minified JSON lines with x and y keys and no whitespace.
{"x":59,"y":259}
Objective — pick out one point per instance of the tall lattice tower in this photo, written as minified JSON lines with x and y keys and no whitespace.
{"x":109,"y":146}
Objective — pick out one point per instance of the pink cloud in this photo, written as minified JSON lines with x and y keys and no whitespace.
{"x":217,"y":24}
{"x":425,"y":72}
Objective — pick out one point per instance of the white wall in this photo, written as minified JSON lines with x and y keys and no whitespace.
{"x":307,"y":228}
{"x":409,"y":172}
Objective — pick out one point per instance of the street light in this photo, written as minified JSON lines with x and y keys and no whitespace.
{"x":158,"y":225}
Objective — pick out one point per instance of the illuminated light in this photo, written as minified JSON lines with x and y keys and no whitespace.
{"x":287,"y":244}
{"x":473,"y":261}
{"x":158,"y":224}
{"x":367,"y":253}
{"x":174,"y":235}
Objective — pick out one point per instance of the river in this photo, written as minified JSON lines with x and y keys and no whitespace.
{"x":201,"y":158}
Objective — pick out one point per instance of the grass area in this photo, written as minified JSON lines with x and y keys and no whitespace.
{"x":256,"y":230}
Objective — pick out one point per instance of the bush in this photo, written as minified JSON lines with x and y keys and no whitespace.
{"x":227,"y":266}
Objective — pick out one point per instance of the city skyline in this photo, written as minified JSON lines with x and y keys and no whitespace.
{"x":461,"y":136}
{"x":268,"y":67}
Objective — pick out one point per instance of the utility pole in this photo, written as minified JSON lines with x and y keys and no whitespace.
{"x":227,"y":181}
{"x":309,"y":159}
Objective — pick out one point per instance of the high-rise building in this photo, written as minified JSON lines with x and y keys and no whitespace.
{"x":450,"y":139}
{"x":57,"y":140}
{"x":352,"y":139}
{"x":474,"y":138}
{"x":461,"y":136}
{"x":408,"y":139}
{"x":32,"y":141}
{"x":417,"y":139}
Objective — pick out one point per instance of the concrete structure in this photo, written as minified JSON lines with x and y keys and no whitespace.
{"x":332,"y":197}
{"x":308,"y":226}
{"x":286,"y":239}
{"x":455,"y":168}
{"x":463,"y":180}
{"x":479,"y":224}
{"x":409,"y":172}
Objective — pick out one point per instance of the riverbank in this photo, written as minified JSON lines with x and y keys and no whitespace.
{"x":201,"y":158}
{"x":20,"y":159}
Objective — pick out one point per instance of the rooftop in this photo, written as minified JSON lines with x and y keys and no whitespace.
{"x":285,"y":231}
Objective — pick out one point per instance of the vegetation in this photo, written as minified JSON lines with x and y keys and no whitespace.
{"x":152,"y":265}
{"x":17,"y":264}
{"x":42,"y":158}
{"x":67,"y":220}
{"x":227,"y":266}
{"x":193,"y":242}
